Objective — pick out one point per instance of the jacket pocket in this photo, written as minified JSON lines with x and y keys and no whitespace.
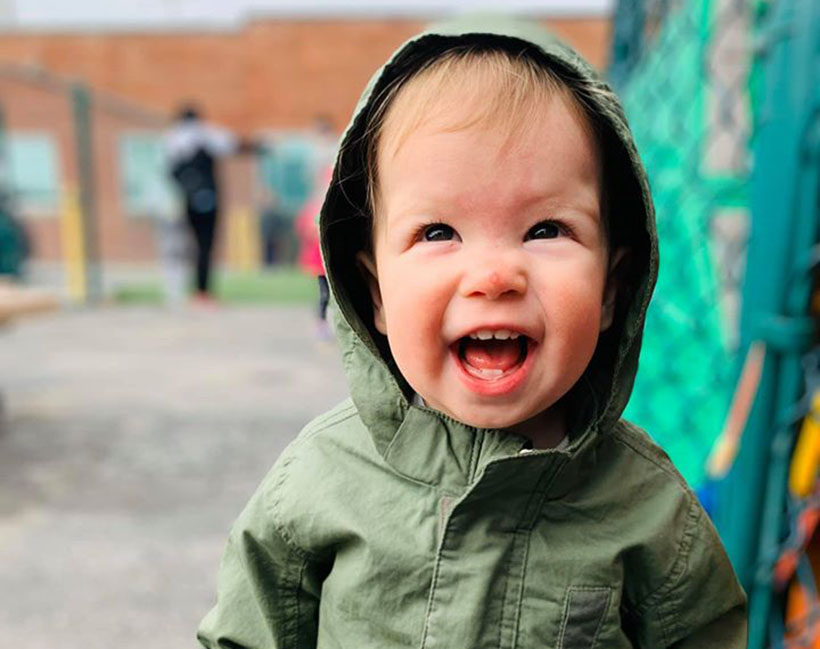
{"x":585,"y":609}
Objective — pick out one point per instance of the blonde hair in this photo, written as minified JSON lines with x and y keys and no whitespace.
{"x":504,"y":90}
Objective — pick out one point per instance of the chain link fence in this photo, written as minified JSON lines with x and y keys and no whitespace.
{"x":723,"y":98}
{"x":683,"y":69}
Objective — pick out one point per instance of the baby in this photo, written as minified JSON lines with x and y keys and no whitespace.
{"x":490,"y":243}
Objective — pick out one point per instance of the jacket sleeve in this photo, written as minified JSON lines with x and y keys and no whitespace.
{"x":268,"y":593}
{"x":700,"y":605}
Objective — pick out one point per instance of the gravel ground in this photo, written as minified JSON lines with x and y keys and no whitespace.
{"x":130,"y":440}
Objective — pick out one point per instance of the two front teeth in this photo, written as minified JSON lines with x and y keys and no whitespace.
{"x":500,"y":334}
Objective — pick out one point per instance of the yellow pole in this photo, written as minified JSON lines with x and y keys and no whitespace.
{"x":806,"y":456}
{"x":244,"y":244}
{"x":73,"y":244}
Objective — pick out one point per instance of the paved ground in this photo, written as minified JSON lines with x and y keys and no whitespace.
{"x":131,"y":440}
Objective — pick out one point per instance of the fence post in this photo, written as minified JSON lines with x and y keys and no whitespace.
{"x":81,"y":104}
{"x":784,"y":229}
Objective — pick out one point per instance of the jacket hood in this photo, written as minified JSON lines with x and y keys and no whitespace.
{"x":382,"y":397}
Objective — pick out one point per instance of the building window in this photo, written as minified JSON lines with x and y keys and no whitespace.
{"x":145,"y":189}
{"x":33,"y":172}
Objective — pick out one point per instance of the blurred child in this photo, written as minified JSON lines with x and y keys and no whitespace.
{"x":490,"y":241}
{"x":310,"y":254}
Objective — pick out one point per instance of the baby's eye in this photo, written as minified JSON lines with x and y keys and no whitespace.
{"x":545,"y":230}
{"x":438,"y":232}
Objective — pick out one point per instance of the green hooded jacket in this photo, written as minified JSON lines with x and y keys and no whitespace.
{"x":386,"y":524}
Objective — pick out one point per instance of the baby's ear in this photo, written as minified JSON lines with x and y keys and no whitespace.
{"x":618,"y":262}
{"x":367,"y":266}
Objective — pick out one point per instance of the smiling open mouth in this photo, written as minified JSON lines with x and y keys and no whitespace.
{"x":490,"y":356}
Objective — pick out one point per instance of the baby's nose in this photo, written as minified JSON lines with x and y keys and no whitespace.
{"x":495,"y":279}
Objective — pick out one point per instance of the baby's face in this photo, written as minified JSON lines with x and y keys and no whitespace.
{"x":490,"y":274}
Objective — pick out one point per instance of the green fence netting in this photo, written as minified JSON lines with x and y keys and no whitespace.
{"x":686,"y":95}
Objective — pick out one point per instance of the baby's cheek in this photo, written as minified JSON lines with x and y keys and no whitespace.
{"x":583,"y":311}
{"x":408,"y":326}
{"x":578,"y":314}
{"x":422,"y":343}
{"x":415,"y":340}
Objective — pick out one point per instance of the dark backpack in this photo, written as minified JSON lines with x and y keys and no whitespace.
{"x":196,"y":179}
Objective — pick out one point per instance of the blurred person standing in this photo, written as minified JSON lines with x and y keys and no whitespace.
{"x":324,"y":144}
{"x":192,"y":148}
{"x":310,"y":254}
{"x":290,"y":183}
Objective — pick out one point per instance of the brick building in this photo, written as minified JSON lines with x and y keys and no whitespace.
{"x":265,"y":76}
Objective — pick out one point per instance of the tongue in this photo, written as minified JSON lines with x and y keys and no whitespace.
{"x":491,"y":354}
